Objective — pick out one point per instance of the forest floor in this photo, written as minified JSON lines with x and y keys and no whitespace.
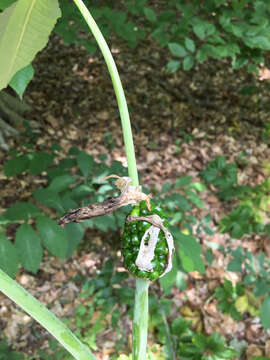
{"x":181,"y":121}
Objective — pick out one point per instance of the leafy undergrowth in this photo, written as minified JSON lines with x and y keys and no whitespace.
{"x":207,"y":197}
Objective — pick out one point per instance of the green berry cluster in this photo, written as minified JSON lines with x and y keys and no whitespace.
{"x":131,"y":240}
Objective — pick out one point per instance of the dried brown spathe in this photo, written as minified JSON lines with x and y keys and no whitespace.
{"x":130,"y":195}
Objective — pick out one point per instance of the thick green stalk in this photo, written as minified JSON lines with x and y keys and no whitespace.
{"x":46,"y":318}
{"x":140,"y":320}
{"x":141,"y":295}
{"x":118,"y":89}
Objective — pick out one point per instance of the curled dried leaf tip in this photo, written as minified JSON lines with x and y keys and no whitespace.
{"x":130,"y":195}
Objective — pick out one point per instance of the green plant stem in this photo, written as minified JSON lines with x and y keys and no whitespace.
{"x":140,"y":320}
{"x":46,"y":318}
{"x":118,"y":89}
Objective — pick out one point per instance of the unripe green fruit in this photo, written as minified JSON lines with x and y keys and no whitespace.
{"x":131,"y":239}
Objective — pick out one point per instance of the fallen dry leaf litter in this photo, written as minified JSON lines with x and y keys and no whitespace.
{"x":73,"y":101}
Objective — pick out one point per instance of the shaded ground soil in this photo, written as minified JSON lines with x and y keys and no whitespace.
{"x":223,"y":111}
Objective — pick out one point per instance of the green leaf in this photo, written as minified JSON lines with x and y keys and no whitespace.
{"x":54,"y":237}
{"x":105,"y":223}
{"x":177,"y":218}
{"x":22,"y":211}
{"x":261,"y":287}
{"x":188,"y":62}
{"x":40,"y":162}
{"x":21,"y":35}
{"x":235,"y":265}
{"x":258,"y":42}
{"x":21,"y":79}
{"x":209,"y":256}
{"x":118,"y":277}
{"x":173,"y":66}
{"x":85,"y":163}
{"x":199,"y":30}
{"x":126,"y":295}
{"x":16,"y":165}
{"x":183,"y":181}
{"x":150,"y":14}
{"x":61,"y":183}
{"x":6,"y":3}
{"x":190,"y":45}
{"x":68,"y":203}
{"x":197,"y":186}
{"x":166,"y":187}
{"x":179,"y":201}
{"x":9,"y":260}
{"x":167,"y":281}
{"x":265,"y":313}
{"x":75,"y":233}
{"x":49,"y":198}
{"x":194,"y":198}
{"x":28,"y":246}
{"x":81,"y":191}
{"x":177,"y":49}
{"x":190,"y":253}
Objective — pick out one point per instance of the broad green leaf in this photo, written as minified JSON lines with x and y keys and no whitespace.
{"x":173,"y":66}
{"x":85,"y":163}
{"x":16,"y":165}
{"x":55,"y":172}
{"x":24,"y":30}
{"x":177,"y":218}
{"x":118,"y":277}
{"x":261,"y":287}
{"x":66,"y":163}
{"x":188,"y":62}
{"x":166,"y":187}
{"x":199,"y":30}
{"x":190,"y":45}
{"x":201,"y":56}
{"x":75,"y":234}
{"x":194,"y":198}
{"x":177,"y":49}
{"x":49,"y":198}
{"x":265,"y":313}
{"x":190,"y":253}
{"x":180,"y":201}
{"x":180,"y":281}
{"x":104,"y":223}
{"x":261,"y":42}
{"x":81,"y":191}
{"x":183,"y":181}
{"x":209,"y":256}
{"x":126,"y":295}
{"x":9,"y":260}
{"x":22,"y":211}
{"x":198,"y":186}
{"x":6,"y":3}
{"x":54,"y":238}
{"x":21,"y":79}
{"x":68,"y":203}
{"x":40,"y":162}
{"x":234,"y":265}
{"x":167,"y":281}
{"x":61,"y":183}
{"x":150,"y":14}
{"x":28,"y":246}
